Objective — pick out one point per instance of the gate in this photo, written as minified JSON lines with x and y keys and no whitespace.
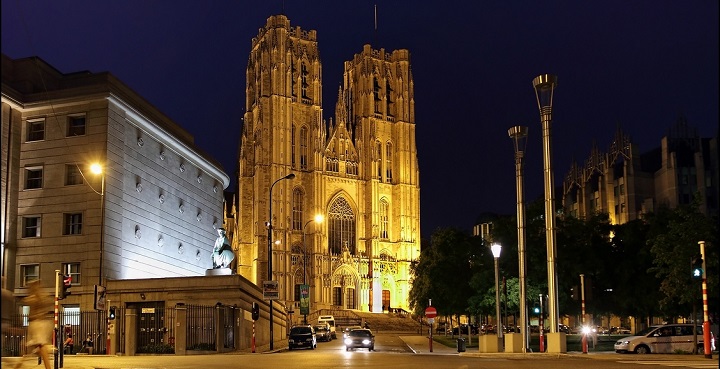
{"x":154,"y":328}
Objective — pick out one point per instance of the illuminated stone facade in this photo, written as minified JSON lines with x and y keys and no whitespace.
{"x":359,"y":171}
{"x":162,"y":197}
{"x":626,"y":184}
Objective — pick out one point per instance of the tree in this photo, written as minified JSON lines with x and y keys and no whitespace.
{"x":444,"y":271}
{"x":673,"y":237}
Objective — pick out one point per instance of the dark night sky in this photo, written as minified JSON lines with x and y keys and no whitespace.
{"x":634,"y":64}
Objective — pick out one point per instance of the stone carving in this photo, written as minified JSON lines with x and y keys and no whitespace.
{"x":222,"y":254}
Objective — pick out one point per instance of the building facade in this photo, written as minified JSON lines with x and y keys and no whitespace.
{"x":359,"y":171}
{"x":151,"y":213}
{"x":627,"y":184}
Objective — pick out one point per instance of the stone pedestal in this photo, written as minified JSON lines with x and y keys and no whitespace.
{"x":556,"y":343}
{"x":488,"y":343}
{"x":218,"y":271}
{"x":513,"y":342}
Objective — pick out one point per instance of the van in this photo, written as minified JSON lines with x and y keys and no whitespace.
{"x":330,"y":320}
{"x":664,"y":339}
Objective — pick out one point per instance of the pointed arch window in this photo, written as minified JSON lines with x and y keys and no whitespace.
{"x":379,"y":160}
{"x":304,"y":83}
{"x":303,"y":148}
{"x":341,"y":227}
{"x":297,"y":209}
{"x":388,"y":162}
{"x":388,"y":98}
{"x":384,"y":218}
{"x":293,"y":79}
{"x":293,"y":149}
{"x":376,"y":92}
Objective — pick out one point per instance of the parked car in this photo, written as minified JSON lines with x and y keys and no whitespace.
{"x":329,"y":319}
{"x":302,"y":336}
{"x":563,"y":328}
{"x":619,"y":330}
{"x":348,"y":329}
{"x":322,"y":332}
{"x":663,"y":339}
{"x":463,"y":329}
{"x":360,"y":338}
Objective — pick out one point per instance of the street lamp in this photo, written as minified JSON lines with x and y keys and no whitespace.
{"x":98,"y":170}
{"x":496,"y":248}
{"x":544,"y":88}
{"x":318,"y":219}
{"x":519,"y":137}
{"x":269,"y":255}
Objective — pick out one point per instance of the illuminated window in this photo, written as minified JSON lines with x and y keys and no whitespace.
{"x":31,"y":226}
{"x":297,"y":210}
{"x":303,"y":148}
{"x":292,"y":147}
{"x":388,"y":163}
{"x":384,"y":216}
{"x":379,"y":160}
{"x":341,"y":227}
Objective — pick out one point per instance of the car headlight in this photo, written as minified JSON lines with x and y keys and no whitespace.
{"x":366,"y":342}
{"x":348,"y":341}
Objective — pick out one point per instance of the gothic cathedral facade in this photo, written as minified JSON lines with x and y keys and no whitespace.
{"x":359,"y":172}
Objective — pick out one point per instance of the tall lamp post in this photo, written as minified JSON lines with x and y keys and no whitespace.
{"x":544,"y":88}
{"x":519,"y":137}
{"x":269,"y":255}
{"x":98,"y":169}
{"x":496,"y":248}
{"x":318,"y":219}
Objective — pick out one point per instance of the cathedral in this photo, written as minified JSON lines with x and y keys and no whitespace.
{"x":334,"y":206}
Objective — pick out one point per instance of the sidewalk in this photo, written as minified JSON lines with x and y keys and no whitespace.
{"x":421,"y":345}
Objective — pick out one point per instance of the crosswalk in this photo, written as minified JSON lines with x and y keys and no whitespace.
{"x":695,"y":364}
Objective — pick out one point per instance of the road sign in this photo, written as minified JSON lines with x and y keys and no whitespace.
{"x":430,"y":312}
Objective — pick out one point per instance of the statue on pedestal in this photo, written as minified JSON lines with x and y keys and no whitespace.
{"x":222,"y":254}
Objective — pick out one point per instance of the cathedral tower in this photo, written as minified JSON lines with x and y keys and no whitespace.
{"x":359,"y":171}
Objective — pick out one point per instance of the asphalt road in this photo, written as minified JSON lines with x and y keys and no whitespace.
{"x":392,"y":350}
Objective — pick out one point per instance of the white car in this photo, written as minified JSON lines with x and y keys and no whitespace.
{"x":663,"y":339}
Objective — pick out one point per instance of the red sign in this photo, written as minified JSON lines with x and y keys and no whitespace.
{"x":430,"y":312}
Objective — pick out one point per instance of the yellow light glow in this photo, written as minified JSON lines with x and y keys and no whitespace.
{"x":96,"y":168}
{"x":319,"y":218}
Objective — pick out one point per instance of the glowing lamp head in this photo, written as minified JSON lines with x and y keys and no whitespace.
{"x":496,"y":248}
{"x":96,"y":168}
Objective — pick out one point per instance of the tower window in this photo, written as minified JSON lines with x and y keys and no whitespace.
{"x":341,"y":227}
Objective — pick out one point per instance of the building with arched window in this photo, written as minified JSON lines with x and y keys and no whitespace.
{"x":359,"y":170}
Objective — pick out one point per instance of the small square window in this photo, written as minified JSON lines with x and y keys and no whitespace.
{"x":30,"y":272}
{"x":33,"y":177}
{"x":76,"y":126}
{"x":72,"y":175}
{"x":31,"y":227}
{"x":73,"y":270}
{"x":73,"y":224}
{"x":36,"y":130}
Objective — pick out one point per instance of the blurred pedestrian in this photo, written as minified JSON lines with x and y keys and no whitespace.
{"x":69,"y":344}
{"x":40,"y":329}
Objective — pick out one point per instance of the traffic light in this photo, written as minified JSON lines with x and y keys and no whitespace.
{"x":697,"y":264}
{"x":255,"y":311}
{"x":63,"y":290}
{"x":111,"y":313}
